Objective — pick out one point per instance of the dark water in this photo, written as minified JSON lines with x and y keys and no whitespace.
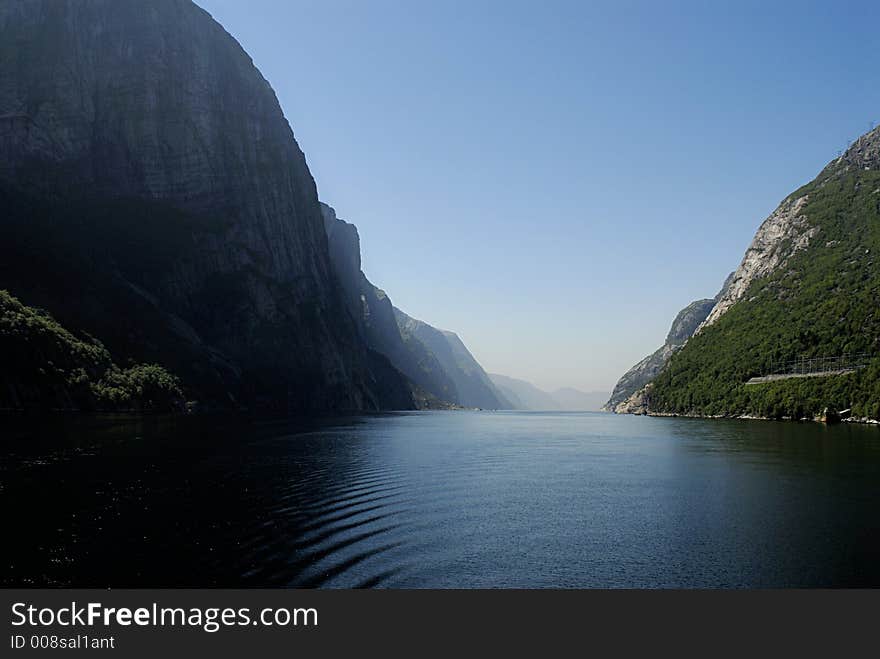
{"x":443,"y":499}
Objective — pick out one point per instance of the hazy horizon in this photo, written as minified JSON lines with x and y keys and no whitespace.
{"x":554,"y":182}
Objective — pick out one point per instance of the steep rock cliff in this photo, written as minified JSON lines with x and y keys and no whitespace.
{"x":779,"y":237}
{"x":683,"y":326}
{"x":157,"y":198}
{"x":440,"y":368}
{"x":374,"y":315}
{"x":787,"y":230}
{"x":472,"y":384}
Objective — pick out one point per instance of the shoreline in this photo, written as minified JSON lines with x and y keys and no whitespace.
{"x":751,"y":417}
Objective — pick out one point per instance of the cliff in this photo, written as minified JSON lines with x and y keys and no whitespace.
{"x":779,"y":237}
{"x":472,"y":385}
{"x":807,"y":288}
{"x":374,"y":315}
{"x":440,"y":369}
{"x":623,"y":398}
{"x":156,"y":198}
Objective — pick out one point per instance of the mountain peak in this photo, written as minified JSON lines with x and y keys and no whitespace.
{"x":862,"y":154}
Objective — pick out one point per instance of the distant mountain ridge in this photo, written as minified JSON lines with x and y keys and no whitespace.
{"x":524,"y":395}
{"x":575,"y":400}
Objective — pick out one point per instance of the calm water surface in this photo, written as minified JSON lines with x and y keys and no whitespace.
{"x":440,"y":499}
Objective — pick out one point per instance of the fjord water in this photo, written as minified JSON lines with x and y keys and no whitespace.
{"x":441,"y":499}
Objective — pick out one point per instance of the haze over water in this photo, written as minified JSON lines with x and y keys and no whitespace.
{"x":440,"y":499}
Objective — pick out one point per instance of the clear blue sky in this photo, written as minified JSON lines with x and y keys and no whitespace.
{"x":555,"y":180}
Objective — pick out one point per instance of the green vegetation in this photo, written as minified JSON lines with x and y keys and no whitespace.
{"x":823,"y":302}
{"x":101,"y":265}
{"x":47,"y":366}
{"x":143,"y":386}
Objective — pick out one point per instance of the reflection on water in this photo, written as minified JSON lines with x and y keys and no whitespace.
{"x":440,"y":499}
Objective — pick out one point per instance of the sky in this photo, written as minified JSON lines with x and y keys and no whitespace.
{"x":554,"y":180}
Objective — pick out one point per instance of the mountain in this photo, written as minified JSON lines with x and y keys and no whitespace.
{"x":684,"y":325}
{"x":472,"y":384}
{"x":154,"y":197}
{"x":376,"y":321}
{"x":575,"y":400}
{"x":807,"y":287}
{"x":523,"y":395}
{"x":441,"y":369}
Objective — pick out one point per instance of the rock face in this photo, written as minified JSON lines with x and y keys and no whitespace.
{"x":683,"y":327}
{"x":157,"y":198}
{"x":637,"y":377}
{"x":862,"y":155}
{"x":788,"y":231}
{"x":374,"y":315}
{"x":636,"y":403}
{"x":438,"y":365}
{"x":781,"y":235}
{"x":472,"y":384}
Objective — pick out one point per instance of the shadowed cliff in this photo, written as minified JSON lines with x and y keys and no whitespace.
{"x":156,"y":198}
{"x":441,"y":369}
